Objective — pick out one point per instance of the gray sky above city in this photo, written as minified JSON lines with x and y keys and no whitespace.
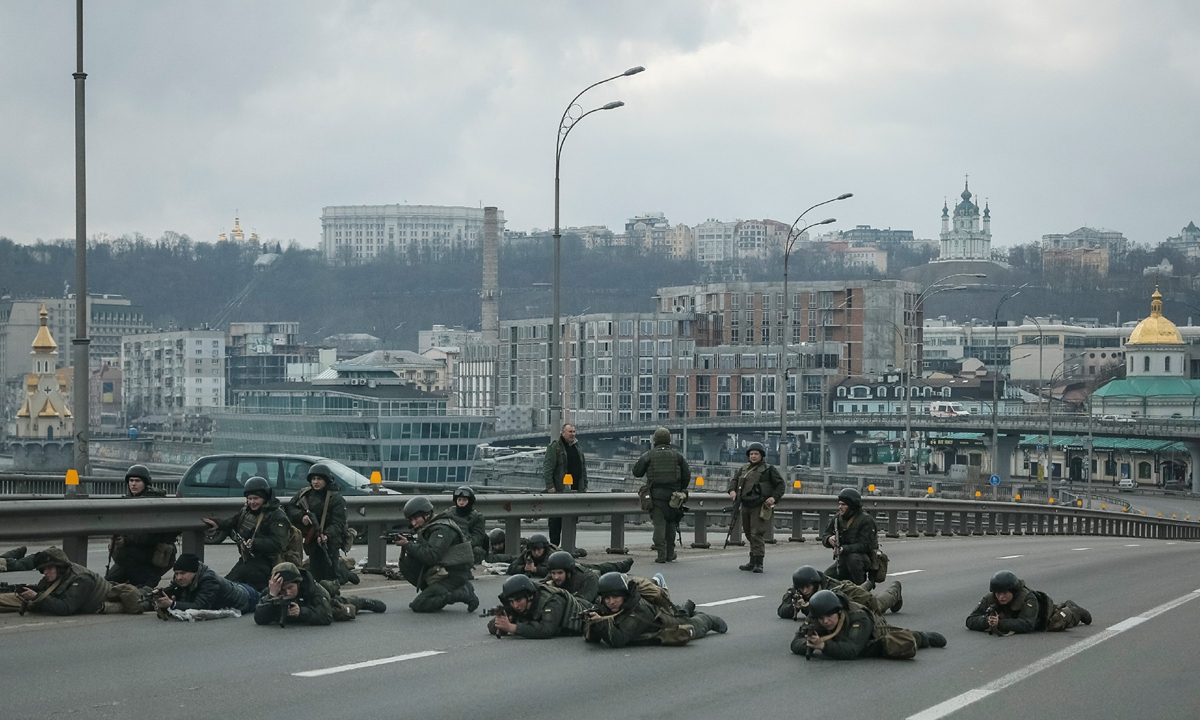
{"x":1064,"y":113}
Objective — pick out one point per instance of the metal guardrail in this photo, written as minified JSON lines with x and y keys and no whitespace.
{"x":16,"y":484}
{"x":73,"y":521}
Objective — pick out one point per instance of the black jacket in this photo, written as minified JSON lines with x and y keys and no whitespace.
{"x":208,"y":591}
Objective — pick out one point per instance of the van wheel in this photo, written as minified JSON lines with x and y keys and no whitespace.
{"x":214,"y":537}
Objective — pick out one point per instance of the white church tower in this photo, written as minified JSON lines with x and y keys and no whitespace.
{"x":967,"y":235}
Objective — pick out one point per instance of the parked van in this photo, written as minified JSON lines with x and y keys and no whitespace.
{"x":939,"y":409}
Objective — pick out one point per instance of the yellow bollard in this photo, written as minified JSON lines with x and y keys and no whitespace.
{"x":1103,"y":506}
{"x":930,"y":490}
{"x":871,"y":487}
{"x":376,"y":478}
{"x":568,"y":480}
{"x":72,"y":477}
{"x":1051,"y":501}
{"x":796,"y":484}
{"x":1017,"y":496}
{"x":699,"y":481}
{"x":978,"y":494}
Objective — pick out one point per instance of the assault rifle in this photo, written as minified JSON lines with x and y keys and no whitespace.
{"x":393,"y":535}
{"x":17,"y":588}
{"x":312,"y":534}
{"x":282,"y":602}
{"x":733,"y":511}
{"x":809,"y":630}
{"x":242,"y":546}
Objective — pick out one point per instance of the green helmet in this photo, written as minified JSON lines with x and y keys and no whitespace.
{"x":258,"y":486}
{"x":496,"y":536}
{"x":756,"y":446}
{"x":822,"y":603}
{"x":560,"y":560}
{"x":613,"y":583}
{"x":662,"y":436}
{"x":322,"y":470}
{"x":1004,"y":581}
{"x":141,"y":472}
{"x":517,"y":586}
{"x":419,"y":505}
{"x":806,"y":575}
{"x":537,"y":539}
{"x":851,"y":497}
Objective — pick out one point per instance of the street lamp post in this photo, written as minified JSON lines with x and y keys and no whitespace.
{"x":565,"y":124}
{"x":995,"y":381}
{"x":1041,"y":348}
{"x":784,"y":324}
{"x":81,"y":341}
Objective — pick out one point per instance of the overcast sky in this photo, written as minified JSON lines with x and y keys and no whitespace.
{"x":1063,"y":113}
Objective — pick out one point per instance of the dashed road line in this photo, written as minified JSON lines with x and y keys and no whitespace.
{"x":1133,"y":545}
{"x":731,"y":600}
{"x":1009,"y":557}
{"x":904,"y":572}
{"x":1077,"y":549}
{"x":959,"y":702}
{"x":368,"y":663}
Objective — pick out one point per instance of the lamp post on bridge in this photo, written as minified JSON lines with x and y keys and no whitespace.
{"x":785,"y":325}
{"x":565,"y":125}
{"x":996,"y":381}
{"x":81,"y":341}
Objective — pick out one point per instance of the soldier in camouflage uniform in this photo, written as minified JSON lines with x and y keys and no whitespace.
{"x":843,"y":630}
{"x":438,"y":561}
{"x":264,"y":527}
{"x":471,"y":521}
{"x":347,"y":607}
{"x":66,"y":588}
{"x":808,"y":580}
{"x":140,"y":558}
{"x":1011,"y":608}
{"x":294,"y":597}
{"x":319,"y":513}
{"x":537,"y":611}
{"x":635,"y":611}
{"x":668,"y":476}
{"x":853,"y":537}
{"x":756,"y":487}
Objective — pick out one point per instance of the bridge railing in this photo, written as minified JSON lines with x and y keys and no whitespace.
{"x":72,"y":522}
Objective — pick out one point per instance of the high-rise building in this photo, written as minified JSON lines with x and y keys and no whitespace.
{"x":353,"y":234}
{"x":173,"y":374}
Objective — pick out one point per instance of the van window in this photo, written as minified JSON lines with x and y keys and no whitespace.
{"x":295,"y":474}
{"x":257,"y":467}
{"x":210,"y":474}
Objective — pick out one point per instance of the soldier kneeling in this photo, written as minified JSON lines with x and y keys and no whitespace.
{"x":534,"y":611}
{"x":1011,"y":608}
{"x":843,"y":630}
{"x":635,"y":611}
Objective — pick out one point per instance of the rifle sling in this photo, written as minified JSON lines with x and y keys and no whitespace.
{"x":46,"y":593}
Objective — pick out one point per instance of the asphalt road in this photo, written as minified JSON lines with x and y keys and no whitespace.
{"x":122,"y":666}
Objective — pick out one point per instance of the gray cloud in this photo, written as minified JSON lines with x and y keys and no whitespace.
{"x":1064,"y":113}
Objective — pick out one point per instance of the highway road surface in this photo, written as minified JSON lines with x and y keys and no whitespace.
{"x":1137,"y":659}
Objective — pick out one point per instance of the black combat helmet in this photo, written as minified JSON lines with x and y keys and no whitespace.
{"x":419,"y":505}
{"x":613,"y":583}
{"x":1004,"y":581}
{"x":517,"y":586}
{"x":560,"y":560}
{"x":321,"y":470}
{"x":851,"y":497}
{"x":822,"y":603}
{"x":496,"y":536}
{"x":141,"y":472}
{"x":465,"y":492}
{"x":258,"y":486}
{"x":537,"y":539}
{"x":756,"y":446}
{"x":806,"y":575}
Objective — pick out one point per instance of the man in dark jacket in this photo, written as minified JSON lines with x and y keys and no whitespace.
{"x":755,"y":488}
{"x":853,"y":537}
{"x":293,"y":597}
{"x":579,"y":579}
{"x":843,"y":630}
{"x":196,"y":586}
{"x":635,"y":611}
{"x":564,"y":470}
{"x":471,"y":521}
{"x":264,"y":532}
{"x":807,"y":581}
{"x":1011,"y":608}
{"x":667,"y":477}
{"x":536,"y":611}
{"x":140,"y":558}
{"x":319,"y":512}
{"x":437,"y":561}
{"x":66,"y":588}
{"x":532,"y":559}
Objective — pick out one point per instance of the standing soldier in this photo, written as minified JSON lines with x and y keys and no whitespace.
{"x":1010,"y":608}
{"x":140,"y":558}
{"x":667,"y":477}
{"x":261,"y":531}
{"x":853,"y":537}
{"x":563,"y":457}
{"x":808,"y":580}
{"x":843,"y":630}
{"x":471,"y":521}
{"x":755,"y":489}
{"x":437,"y":561}
{"x":319,"y":512}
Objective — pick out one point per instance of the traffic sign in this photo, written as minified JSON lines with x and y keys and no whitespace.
{"x":1041,"y":447}
{"x":995,"y":479}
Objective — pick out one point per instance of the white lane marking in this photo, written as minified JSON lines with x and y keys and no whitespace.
{"x":1133,"y":545}
{"x":368,"y":663}
{"x":904,"y":572}
{"x":1170,"y":543}
{"x":731,"y":600}
{"x":1009,"y":557}
{"x":959,"y":702}
{"x":35,"y":624}
{"x":1077,"y":549}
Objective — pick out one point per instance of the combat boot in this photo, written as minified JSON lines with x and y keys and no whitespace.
{"x":375,"y":606}
{"x":465,"y":594}
{"x":1085,"y":617}
{"x":662,"y":556}
{"x":689,"y":608}
{"x":624,"y":565}
{"x":748,"y":567}
{"x":758,"y":564}
{"x":899,"y":598}
{"x":15,"y":554}
{"x":671,"y":553}
{"x":935,"y":640}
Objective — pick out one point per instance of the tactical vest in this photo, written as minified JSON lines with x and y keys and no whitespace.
{"x":750,"y":483}
{"x":571,"y":620}
{"x":460,"y":553}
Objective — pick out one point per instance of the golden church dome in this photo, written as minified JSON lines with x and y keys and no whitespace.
{"x":43,"y":343}
{"x":1156,"y":329}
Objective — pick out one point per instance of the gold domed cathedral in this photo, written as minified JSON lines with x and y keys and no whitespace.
{"x":1157,"y":381}
{"x":45,"y":426}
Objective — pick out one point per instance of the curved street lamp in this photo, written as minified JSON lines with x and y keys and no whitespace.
{"x":570,"y":118}
{"x":996,"y":380}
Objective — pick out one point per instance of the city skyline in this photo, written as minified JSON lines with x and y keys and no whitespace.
{"x":1067,"y":115}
